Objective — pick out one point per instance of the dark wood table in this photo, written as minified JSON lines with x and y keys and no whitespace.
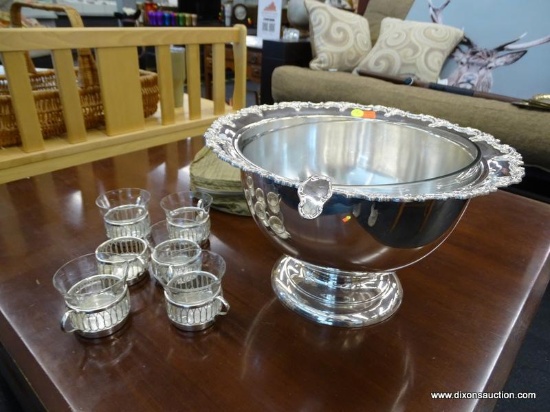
{"x":465,"y":311}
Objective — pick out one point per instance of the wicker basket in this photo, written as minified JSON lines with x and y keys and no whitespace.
{"x":46,"y":93}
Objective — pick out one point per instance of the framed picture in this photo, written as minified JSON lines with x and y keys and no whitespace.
{"x":506,"y":48}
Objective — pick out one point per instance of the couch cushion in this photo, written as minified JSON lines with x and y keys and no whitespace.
{"x":411,"y":48}
{"x":339,"y":39}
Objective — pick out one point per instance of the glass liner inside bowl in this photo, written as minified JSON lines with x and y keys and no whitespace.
{"x":369,"y":155}
{"x":500,"y":165}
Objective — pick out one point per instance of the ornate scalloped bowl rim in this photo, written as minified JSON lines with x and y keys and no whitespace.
{"x":226,"y":149}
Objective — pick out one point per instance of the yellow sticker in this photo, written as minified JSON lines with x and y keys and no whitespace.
{"x":357,"y":113}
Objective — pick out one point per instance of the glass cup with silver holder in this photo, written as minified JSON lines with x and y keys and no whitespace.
{"x":98,"y":303}
{"x":188,"y":215}
{"x":125,"y":212}
{"x":172,"y":257}
{"x":194,"y":299}
{"x":113,"y":254}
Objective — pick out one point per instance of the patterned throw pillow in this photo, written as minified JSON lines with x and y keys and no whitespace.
{"x":409,"y":48}
{"x":339,"y":39}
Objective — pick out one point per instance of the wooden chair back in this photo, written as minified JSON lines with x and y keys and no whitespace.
{"x":116,"y":56}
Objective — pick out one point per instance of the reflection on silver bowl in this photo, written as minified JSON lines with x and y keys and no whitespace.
{"x":351,"y":193}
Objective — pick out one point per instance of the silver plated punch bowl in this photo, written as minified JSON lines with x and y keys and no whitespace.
{"x":351,"y":193}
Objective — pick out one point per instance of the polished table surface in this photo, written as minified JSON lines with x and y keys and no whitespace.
{"x":465,"y":311}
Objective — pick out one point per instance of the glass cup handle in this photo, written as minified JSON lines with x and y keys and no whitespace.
{"x":66,"y":318}
{"x":224,"y":305}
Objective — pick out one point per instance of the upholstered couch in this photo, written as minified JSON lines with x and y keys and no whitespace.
{"x":526,"y":130}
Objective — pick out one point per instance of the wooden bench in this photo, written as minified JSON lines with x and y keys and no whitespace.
{"x":126,"y":129}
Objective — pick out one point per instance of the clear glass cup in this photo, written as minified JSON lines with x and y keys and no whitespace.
{"x":194,"y":300}
{"x":172,"y":257}
{"x":98,"y":303}
{"x":125,"y":212}
{"x":113,"y":254}
{"x":188,"y":215}
{"x":212,"y":262}
{"x":158,"y":233}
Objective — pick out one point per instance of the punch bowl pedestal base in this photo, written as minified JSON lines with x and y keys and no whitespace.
{"x":336,"y":297}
